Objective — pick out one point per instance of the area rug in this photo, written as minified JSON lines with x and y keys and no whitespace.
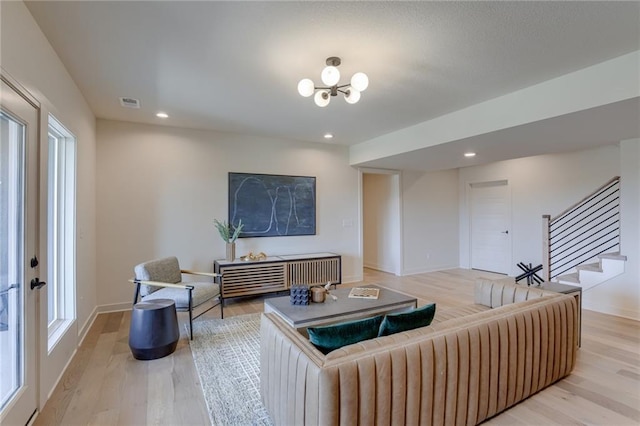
{"x":227,"y":357}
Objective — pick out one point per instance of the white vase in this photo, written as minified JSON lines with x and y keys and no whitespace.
{"x":231,"y":252}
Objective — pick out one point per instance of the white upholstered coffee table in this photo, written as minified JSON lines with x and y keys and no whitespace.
{"x":342,"y":309}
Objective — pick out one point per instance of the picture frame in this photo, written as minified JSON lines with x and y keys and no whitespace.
{"x":272,"y":205}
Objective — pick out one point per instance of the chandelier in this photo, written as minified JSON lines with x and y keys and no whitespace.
{"x":330,"y":76}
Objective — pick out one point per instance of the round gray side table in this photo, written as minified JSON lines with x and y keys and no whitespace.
{"x":154,"y":331}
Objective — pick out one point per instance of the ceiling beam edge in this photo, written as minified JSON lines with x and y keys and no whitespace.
{"x":601,"y":84}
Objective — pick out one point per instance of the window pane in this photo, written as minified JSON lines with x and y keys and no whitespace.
{"x":61,"y":229}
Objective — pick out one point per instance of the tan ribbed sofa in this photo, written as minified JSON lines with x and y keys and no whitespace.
{"x":470,"y":364}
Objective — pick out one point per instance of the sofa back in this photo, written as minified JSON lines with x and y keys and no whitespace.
{"x":504,"y":292}
{"x":461,"y":371}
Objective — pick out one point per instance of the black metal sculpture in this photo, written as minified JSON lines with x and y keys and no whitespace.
{"x":530,"y":274}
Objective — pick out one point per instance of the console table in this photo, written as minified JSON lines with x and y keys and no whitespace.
{"x":277,"y":273}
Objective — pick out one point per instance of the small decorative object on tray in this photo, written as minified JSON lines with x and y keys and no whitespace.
{"x":364,"y":293}
{"x":253,"y":257}
{"x":318,"y":294}
{"x":300,"y":294}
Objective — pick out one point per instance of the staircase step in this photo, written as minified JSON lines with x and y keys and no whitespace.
{"x":595,"y":267}
{"x":614,"y":256}
{"x":569,"y":278}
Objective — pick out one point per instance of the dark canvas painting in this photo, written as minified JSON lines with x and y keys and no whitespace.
{"x":272,"y":205}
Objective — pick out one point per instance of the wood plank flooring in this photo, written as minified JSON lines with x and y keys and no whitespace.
{"x":104,"y":385}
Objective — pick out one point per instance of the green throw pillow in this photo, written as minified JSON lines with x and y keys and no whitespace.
{"x":331,"y":337}
{"x":403,"y":321}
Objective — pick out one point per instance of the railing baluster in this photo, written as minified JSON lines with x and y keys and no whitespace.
{"x":574,"y":232}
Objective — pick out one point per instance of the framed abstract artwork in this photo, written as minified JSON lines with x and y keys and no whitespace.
{"x":272,"y":205}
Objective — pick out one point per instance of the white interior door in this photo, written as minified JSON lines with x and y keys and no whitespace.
{"x":18,"y":244}
{"x":490,"y":204}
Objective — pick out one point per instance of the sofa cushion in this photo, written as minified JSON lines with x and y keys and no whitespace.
{"x":403,"y":321}
{"x":330,"y":337}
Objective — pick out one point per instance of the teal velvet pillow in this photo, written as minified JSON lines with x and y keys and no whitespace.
{"x":403,"y":321}
{"x":331,"y":337}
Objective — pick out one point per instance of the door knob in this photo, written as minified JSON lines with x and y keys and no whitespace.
{"x":504,"y":232}
{"x":37,"y":284}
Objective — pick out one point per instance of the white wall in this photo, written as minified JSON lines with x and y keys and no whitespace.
{"x":430,"y":227}
{"x":545,"y":184}
{"x":548,"y":184}
{"x":381,"y":222}
{"x":29,"y":58}
{"x":159,"y":189}
{"x":621,"y":295}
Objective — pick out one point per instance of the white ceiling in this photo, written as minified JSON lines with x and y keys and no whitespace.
{"x":234,"y":66}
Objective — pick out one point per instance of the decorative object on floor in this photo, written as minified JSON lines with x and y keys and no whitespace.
{"x":253,"y":257}
{"x":227,"y":358}
{"x":229,"y":234}
{"x":330,"y":76}
{"x":154,"y":331}
{"x":300,"y":294}
{"x":530,"y":274}
{"x":272,"y":205}
{"x":162,"y":279}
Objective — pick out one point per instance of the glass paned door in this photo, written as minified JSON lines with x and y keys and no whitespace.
{"x":18,"y":242}
{"x":11,"y":251}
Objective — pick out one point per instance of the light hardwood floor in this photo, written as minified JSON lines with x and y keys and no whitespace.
{"x":104,"y":385}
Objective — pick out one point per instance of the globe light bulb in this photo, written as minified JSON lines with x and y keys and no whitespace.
{"x":352,"y":96}
{"x":322,"y":98}
{"x":330,"y":75}
{"x":360,"y":81}
{"x":306,"y":87}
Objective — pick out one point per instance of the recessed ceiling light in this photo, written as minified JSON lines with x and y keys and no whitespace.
{"x":162,"y":115}
{"x":328,"y":136}
{"x":469,"y":154}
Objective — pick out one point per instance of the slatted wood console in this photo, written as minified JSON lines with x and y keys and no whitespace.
{"x":277,"y":273}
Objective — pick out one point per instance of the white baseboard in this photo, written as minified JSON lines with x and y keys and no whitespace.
{"x":64,"y":370}
{"x":82,"y":333}
{"x":415,"y":271}
{"x":352,"y":279}
{"x":114,"y":307}
{"x":611,"y":310}
{"x":381,"y":268}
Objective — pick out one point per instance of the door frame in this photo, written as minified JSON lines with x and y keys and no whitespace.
{"x":468,"y":188}
{"x":399,"y":260}
{"x":32,"y":207}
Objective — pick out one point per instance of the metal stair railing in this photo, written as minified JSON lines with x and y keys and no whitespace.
{"x":583,"y":231}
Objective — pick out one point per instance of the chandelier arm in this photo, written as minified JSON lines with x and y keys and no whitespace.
{"x":344,"y":92}
{"x":331,"y":87}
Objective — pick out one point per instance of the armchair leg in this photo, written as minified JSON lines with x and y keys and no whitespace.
{"x":221,"y":307}
{"x":137,"y":293}
{"x":191,"y":313}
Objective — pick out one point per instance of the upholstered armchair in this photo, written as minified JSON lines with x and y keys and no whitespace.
{"x":162,"y":279}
